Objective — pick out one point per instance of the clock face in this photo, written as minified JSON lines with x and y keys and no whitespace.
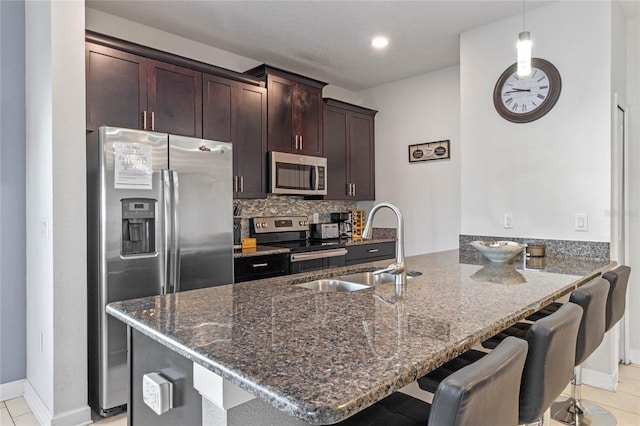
{"x":525,"y":99}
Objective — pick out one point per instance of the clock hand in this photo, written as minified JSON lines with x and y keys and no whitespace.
{"x":518,"y":90}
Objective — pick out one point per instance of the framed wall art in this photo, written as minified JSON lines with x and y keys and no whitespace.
{"x":438,"y":150}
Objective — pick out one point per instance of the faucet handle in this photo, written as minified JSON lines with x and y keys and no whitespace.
{"x":394,"y":268}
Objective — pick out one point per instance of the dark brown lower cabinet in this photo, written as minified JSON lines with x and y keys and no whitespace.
{"x":258,"y":267}
{"x":362,"y":253}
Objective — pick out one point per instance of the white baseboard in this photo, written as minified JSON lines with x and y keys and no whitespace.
{"x":38,"y":407}
{"x":634,"y":356}
{"x":600,"y":380}
{"x":77,"y":417}
{"x":11,"y":390}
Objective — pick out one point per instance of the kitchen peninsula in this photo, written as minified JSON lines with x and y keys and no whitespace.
{"x":321,"y":357}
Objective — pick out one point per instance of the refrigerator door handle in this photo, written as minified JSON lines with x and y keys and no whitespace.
{"x":166,"y":202}
{"x":176,"y":231}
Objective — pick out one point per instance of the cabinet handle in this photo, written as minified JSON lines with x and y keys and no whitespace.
{"x":372,"y":250}
{"x":144,"y":120}
{"x":297,"y":143}
{"x":260,"y":265}
{"x":235,"y":184}
{"x":301,"y":143}
{"x":354,"y":189}
{"x":153,"y":120}
{"x":241,"y":183}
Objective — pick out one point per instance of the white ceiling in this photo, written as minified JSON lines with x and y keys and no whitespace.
{"x":329,"y":40}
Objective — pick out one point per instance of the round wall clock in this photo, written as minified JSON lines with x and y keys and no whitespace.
{"x":524,"y":99}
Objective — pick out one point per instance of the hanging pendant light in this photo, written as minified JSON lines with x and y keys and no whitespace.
{"x":524,"y":49}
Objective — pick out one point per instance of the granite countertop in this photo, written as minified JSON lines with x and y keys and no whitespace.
{"x":259,"y":251}
{"x":321,"y":357}
{"x":265,"y":250}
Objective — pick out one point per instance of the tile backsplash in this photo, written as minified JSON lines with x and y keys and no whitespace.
{"x":554,"y":248}
{"x":282,"y":205}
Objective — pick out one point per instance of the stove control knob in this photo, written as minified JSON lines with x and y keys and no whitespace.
{"x":303,"y":223}
{"x":264,"y":224}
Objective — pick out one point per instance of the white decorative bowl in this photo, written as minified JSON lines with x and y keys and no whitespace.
{"x":498,"y":251}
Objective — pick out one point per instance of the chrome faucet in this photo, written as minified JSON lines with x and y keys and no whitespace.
{"x":398,"y":266}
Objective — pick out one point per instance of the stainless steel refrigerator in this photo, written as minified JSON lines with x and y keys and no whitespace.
{"x":160,"y":220}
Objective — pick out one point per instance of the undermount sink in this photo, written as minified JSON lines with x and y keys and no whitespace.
{"x":369,"y":278}
{"x":354,"y":282}
{"x":333,"y":286}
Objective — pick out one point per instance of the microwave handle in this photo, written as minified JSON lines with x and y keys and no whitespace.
{"x":314,"y":177}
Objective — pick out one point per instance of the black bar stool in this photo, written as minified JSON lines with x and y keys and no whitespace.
{"x":575,"y":411}
{"x":549,"y":364}
{"x":485,"y":393}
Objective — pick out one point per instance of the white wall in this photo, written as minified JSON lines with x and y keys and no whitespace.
{"x":633,"y":258}
{"x":418,"y":110}
{"x":56,"y":386}
{"x":13,"y":346}
{"x":545,"y":171}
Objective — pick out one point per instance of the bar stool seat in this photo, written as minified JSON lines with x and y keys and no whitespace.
{"x":485,"y":393}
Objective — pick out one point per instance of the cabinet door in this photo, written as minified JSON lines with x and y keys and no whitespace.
{"x":280,"y":114}
{"x":218,"y":108}
{"x":250,"y":144}
{"x":361,"y":156}
{"x":335,"y":134}
{"x":175,"y":99}
{"x":308,"y":119}
{"x":116,"y":88}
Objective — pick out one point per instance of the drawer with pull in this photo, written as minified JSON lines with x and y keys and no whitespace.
{"x":361,"y":253}
{"x":258,"y":267}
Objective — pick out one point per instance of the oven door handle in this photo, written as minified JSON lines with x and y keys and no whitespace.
{"x":320,"y":254}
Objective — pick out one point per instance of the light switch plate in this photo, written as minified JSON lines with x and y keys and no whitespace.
{"x":508,"y":220}
{"x":582,"y":222}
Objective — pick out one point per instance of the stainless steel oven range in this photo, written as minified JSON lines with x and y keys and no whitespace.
{"x":292,"y":232}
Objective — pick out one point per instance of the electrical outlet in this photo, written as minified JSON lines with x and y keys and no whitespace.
{"x":508,"y":220}
{"x":157,"y":393}
{"x":582,"y":222}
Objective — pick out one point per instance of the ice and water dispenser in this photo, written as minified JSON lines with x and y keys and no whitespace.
{"x":138,"y":226}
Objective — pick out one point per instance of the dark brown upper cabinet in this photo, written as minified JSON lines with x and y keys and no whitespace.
{"x":294,"y":111}
{"x":237,"y":112}
{"x":349,"y":145}
{"x":116,"y":88}
{"x":174,"y":99}
{"x":127,"y":90}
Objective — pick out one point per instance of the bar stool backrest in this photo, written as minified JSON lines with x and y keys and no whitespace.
{"x":592,"y":298}
{"x":550,"y":361}
{"x":616,"y":302}
{"x":485,"y":392}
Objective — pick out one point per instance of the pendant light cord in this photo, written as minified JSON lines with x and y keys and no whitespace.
{"x":523,"y":15}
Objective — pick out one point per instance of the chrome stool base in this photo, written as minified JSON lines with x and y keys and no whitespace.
{"x":588,"y":414}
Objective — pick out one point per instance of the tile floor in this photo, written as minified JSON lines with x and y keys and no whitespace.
{"x":624,"y":404}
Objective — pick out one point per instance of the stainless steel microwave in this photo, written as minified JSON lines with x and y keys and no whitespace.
{"x":297,"y":174}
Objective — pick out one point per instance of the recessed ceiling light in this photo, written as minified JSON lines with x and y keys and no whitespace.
{"x":380,"y":42}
